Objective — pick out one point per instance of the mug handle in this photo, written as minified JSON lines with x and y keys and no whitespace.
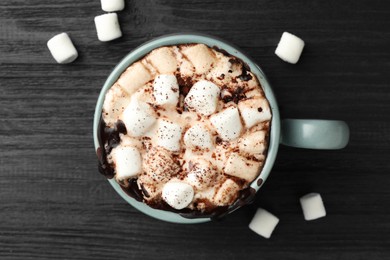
{"x":315,"y":133}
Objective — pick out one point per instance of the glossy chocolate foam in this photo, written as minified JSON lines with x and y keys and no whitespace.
{"x":185,"y":129}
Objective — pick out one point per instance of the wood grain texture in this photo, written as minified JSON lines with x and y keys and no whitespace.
{"x":55,"y":205}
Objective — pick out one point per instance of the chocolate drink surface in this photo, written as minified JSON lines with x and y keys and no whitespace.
{"x":186,"y":129}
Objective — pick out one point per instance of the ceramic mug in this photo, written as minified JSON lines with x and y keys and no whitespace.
{"x":312,"y":134}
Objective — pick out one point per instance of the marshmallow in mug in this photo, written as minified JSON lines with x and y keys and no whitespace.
{"x":107,"y":27}
{"x":112,"y":5}
{"x":203,"y":97}
{"x":62,"y":48}
{"x":290,"y":48}
{"x":128,"y":162}
{"x":177,"y":194}
{"x":166,"y":90}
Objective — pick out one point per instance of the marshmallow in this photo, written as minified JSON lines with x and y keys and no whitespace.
{"x":289,"y":48}
{"x":227,"y":193}
{"x":138,"y":117}
{"x":127,"y":161}
{"x":227,"y":123}
{"x":134,"y":77}
{"x":198,"y":137}
{"x":252,"y":143}
{"x":107,"y":27}
{"x":203,"y":97}
{"x":177,"y":194}
{"x":200,"y":56}
{"x":163,"y":60}
{"x":254,"y":111}
{"x":240,"y":167}
{"x":112,"y":5}
{"x":62,"y":48}
{"x":201,"y":173}
{"x":159,"y":166}
{"x":115,"y":102}
{"x":169,"y":135}
{"x":312,"y":206}
{"x":263,"y":223}
{"x":166,"y":90}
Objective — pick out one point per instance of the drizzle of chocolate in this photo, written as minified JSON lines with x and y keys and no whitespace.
{"x":185,"y":84}
{"x":245,"y":76}
{"x":133,"y":190}
{"x":259,"y":182}
{"x":238,"y":95}
{"x":221,"y":51}
{"x":109,"y":139}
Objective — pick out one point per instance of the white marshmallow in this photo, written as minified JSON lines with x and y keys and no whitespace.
{"x":200,"y":56}
{"x":62,"y":48}
{"x":254,"y":111}
{"x":127,"y":161}
{"x":177,"y":194}
{"x":169,"y":135}
{"x":252,"y":143}
{"x":227,"y":193}
{"x":227,"y":123}
{"x":240,"y":167}
{"x":134,"y":77}
{"x":312,"y":206}
{"x":138,"y":117}
{"x":115,"y":102}
{"x":263,"y":223}
{"x":201,"y":173}
{"x":289,"y":48}
{"x":107,"y":27}
{"x":203,"y":97}
{"x":163,"y":60}
{"x":166,"y":90}
{"x":198,"y":136}
{"x":112,"y":5}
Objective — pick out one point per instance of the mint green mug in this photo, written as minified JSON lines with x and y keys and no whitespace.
{"x":311,"y":134}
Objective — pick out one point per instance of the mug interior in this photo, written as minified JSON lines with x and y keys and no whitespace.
{"x":176,"y":39}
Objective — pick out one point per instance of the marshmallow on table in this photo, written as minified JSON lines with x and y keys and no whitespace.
{"x":138,"y":117}
{"x":62,"y":48}
{"x":112,"y":5}
{"x":166,"y":90}
{"x":312,"y":206}
{"x":169,"y":135}
{"x":290,"y":48}
{"x":177,"y":194}
{"x":198,"y":136}
{"x":127,"y":161}
{"x":263,"y":223}
{"x":107,"y":27}
{"x":227,"y":123}
{"x":203,"y":97}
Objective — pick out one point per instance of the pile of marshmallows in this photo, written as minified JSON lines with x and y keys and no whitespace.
{"x":107,"y":28}
{"x":289,"y":49}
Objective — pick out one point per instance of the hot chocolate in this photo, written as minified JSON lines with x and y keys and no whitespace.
{"x":185,"y":129}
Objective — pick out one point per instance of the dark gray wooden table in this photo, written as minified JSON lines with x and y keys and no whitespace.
{"x":55,"y":205}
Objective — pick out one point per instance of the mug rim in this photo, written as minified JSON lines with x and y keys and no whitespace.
{"x":211,"y":41}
